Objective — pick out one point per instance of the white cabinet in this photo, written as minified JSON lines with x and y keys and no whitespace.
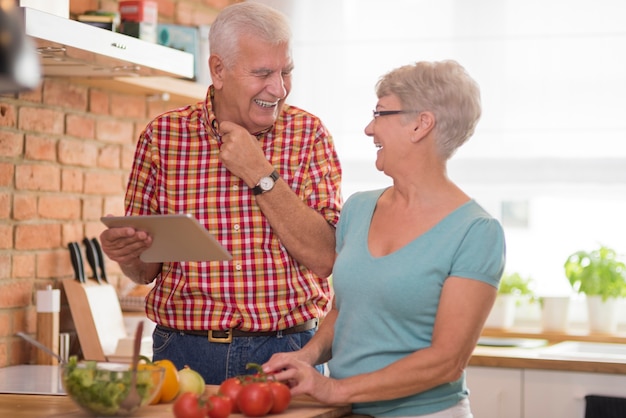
{"x":495,"y":392}
{"x":562,"y":394}
{"x":525,"y":393}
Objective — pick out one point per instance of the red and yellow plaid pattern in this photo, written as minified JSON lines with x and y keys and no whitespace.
{"x":176,"y":170}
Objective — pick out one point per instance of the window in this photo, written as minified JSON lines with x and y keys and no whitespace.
{"x":549,"y":155}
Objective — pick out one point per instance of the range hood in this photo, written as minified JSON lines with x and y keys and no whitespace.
{"x":70,"y":48}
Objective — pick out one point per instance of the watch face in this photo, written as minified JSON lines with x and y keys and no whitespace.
{"x":266,"y":183}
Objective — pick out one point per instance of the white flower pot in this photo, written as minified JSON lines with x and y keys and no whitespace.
{"x":502,"y":314}
{"x":603,"y":315}
{"x":554,"y":313}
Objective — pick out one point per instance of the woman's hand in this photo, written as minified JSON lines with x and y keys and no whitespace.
{"x":303,"y":378}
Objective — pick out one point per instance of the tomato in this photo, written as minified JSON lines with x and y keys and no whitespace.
{"x":281,"y":395}
{"x":170,"y":386}
{"x":190,"y":405}
{"x":255,"y":399}
{"x":220,"y":406}
{"x":231,"y":388}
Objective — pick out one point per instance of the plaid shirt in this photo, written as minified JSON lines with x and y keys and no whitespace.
{"x":176,"y":170}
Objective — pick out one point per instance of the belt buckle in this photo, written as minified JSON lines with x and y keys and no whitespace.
{"x":227,"y":340}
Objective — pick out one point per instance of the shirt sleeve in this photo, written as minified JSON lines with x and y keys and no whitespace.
{"x":481,"y":253}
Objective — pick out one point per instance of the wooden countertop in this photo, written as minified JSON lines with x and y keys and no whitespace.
{"x":529,"y":358}
{"x":57,"y":406}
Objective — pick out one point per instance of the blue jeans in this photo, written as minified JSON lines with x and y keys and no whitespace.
{"x":217,"y":362}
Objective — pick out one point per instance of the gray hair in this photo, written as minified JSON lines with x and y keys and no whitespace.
{"x":443,"y":88}
{"x":247,"y":18}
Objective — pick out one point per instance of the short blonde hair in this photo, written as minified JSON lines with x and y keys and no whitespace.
{"x":443,"y":88}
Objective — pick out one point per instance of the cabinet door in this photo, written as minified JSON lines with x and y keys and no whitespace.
{"x":562,"y":394}
{"x":495,"y":392}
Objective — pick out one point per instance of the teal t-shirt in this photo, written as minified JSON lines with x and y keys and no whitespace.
{"x":387,"y":305}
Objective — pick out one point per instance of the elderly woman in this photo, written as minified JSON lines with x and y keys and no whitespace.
{"x":418,"y":263}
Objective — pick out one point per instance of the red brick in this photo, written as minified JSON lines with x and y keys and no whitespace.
{"x":34,"y":96}
{"x":58,"y":92}
{"x":114,"y":205}
{"x":7,"y":171}
{"x":166,"y":10}
{"x":81,"y":6}
{"x":11,"y":144}
{"x":37,"y":237}
{"x":6,"y":237}
{"x":8,"y":115}
{"x":15,"y":293}
{"x":128,"y":106}
{"x":24,"y":206}
{"x":98,"y":102}
{"x":92,"y":208}
{"x":112,"y":130}
{"x":4,"y":358}
{"x":41,"y":120}
{"x":71,"y":231}
{"x":128,"y":156}
{"x":102,"y":183}
{"x":77,"y":152}
{"x":20,"y":352}
{"x":191,"y":14}
{"x":109,"y":157}
{"x":23,"y":265}
{"x":5,"y":265}
{"x":54,"y":264}
{"x":37,"y":177}
{"x":5,"y":323}
{"x":219,"y":4}
{"x":80,"y":126}
{"x":71,"y":180}
{"x":40,"y":148}
{"x":94,"y":228}
{"x":5,"y":205}
{"x":60,"y":207}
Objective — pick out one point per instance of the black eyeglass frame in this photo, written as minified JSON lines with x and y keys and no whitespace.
{"x":377,"y":113}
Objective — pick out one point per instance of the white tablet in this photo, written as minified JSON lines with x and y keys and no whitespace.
{"x":174,"y":238}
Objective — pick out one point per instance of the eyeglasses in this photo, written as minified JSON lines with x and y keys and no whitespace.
{"x":377,"y":113}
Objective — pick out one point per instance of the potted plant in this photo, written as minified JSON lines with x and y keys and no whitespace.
{"x":601,"y":276}
{"x":513,"y":287}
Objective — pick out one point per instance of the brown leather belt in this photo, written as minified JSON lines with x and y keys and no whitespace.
{"x":226,"y":336}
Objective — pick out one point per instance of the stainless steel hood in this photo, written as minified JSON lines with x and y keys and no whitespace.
{"x":74,"y":49}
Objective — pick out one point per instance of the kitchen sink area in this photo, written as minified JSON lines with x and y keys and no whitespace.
{"x":584,"y":351}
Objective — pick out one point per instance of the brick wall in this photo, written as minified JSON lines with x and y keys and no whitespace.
{"x":65,"y":154}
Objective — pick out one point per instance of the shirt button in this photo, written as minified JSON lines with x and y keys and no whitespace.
{"x":235,"y":187}
{"x":238,"y":267}
{"x":236,"y":227}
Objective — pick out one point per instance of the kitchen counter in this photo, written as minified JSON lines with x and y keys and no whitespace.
{"x":45,"y":406}
{"x":541,"y":356}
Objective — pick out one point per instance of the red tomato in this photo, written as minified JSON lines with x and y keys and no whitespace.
{"x":230,"y":388}
{"x":255,"y":399}
{"x":281,"y":395}
{"x":189,"y":405}
{"x":220,"y":406}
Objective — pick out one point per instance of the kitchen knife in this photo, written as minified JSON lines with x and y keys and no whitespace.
{"x":98,"y":248}
{"x":92,"y":259}
{"x":77,"y":262}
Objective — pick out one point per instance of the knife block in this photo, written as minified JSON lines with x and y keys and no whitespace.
{"x":48,"y":308}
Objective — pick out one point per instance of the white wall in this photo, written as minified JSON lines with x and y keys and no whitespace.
{"x":553,"y":81}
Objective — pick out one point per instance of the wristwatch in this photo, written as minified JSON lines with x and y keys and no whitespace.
{"x":266,"y":183}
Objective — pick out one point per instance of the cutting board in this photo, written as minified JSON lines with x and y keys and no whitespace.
{"x":37,"y":406}
{"x":97,"y":316}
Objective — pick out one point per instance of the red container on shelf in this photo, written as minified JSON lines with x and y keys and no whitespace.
{"x":141,"y":11}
